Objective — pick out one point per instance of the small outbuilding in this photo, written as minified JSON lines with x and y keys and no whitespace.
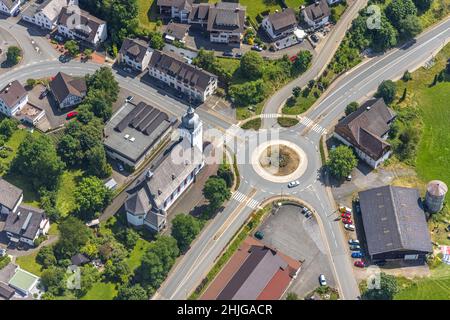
{"x":79,"y":259}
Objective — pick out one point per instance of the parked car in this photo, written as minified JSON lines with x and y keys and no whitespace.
{"x":308,"y":214}
{"x":347,"y":221}
{"x":353,"y":241}
{"x":346,"y":215}
{"x":2,"y":252}
{"x":359,"y":264}
{"x":43,"y":94}
{"x":63,"y":58}
{"x":349,"y":177}
{"x":257,"y":48}
{"x":259,"y":235}
{"x":293,"y":184}
{"x":357,"y":254}
{"x":130,"y":98}
{"x":349,"y":227}
{"x":322,"y":280}
{"x":355,"y":247}
{"x":305,"y":209}
{"x":238,"y":55}
{"x":120,"y":167}
{"x":344,"y":209}
{"x":314,"y":38}
{"x":72,"y":114}
{"x":227,"y":54}
{"x":16,"y":13}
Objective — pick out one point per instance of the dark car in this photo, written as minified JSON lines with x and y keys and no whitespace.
{"x":314,"y":38}
{"x":227,"y":54}
{"x":63,"y":58}
{"x":43,"y":94}
{"x":16,"y":13}
{"x":259,"y":235}
{"x":238,"y":55}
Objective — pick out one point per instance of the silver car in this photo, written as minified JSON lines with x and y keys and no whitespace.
{"x":293,"y":184}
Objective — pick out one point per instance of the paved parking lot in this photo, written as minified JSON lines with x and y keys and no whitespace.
{"x":298,"y":237}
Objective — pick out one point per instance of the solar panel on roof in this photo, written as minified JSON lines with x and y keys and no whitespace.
{"x":129,"y":117}
{"x":141,"y":116}
{"x":148,"y":119}
{"x":155,"y":123}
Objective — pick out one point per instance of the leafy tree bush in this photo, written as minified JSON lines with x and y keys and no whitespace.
{"x":387,"y":291}
{"x":13,"y":55}
{"x":53,"y":280}
{"x":7,"y":127}
{"x":251,"y":65}
{"x":73,"y":235}
{"x":423,"y":5}
{"x":400,"y":9}
{"x":342,"y":161}
{"x":72,"y":47}
{"x":248,"y":93}
{"x":351,"y":107}
{"x":91,"y":197}
{"x":46,"y":257}
{"x":184,"y":229}
{"x":226,"y":174}
{"x":216,"y":191}
{"x":135,"y":292}
{"x":407,"y":76}
{"x":387,"y":90}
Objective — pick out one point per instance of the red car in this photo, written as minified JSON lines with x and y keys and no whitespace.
{"x":347,"y":221}
{"x":346,"y":215}
{"x":359,"y":264}
{"x":72,"y":114}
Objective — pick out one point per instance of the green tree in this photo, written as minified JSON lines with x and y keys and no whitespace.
{"x":216,"y":191}
{"x":46,"y":257}
{"x":13,"y":55}
{"x":7,"y":127}
{"x":128,"y":237}
{"x":410,"y":26}
{"x":97,"y":164}
{"x":135,"y":292}
{"x":72,"y":47}
{"x":423,"y":5}
{"x":407,"y":76}
{"x":89,"y":276}
{"x":342,"y":161}
{"x":302,"y":62}
{"x":409,"y":139}
{"x":53,"y":280}
{"x":388,"y":289}
{"x":88,"y":53}
{"x":157,"y":262}
{"x":248,"y":93}
{"x":226,"y":174}
{"x":91,"y":197}
{"x":157,"y":41}
{"x":184,"y":229}
{"x":104,"y":81}
{"x":296,"y":92}
{"x":37,"y":160}
{"x":100,"y":104}
{"x":400,"y":9}
{"x":251,"y":65}
{"x":292,"y":296}
{"x":351,"y":107}
{"x":73,"y":235}
{"x":385,"y":37}
{"x":387,"y":90}
{"x":31,"y":83}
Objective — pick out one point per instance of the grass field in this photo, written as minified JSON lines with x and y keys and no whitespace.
{"x":148,"y":14}
{"x":101,"y":291}
{"x":134,"y":260}
{"x":65,"y":201}
{"x":29,"y":264}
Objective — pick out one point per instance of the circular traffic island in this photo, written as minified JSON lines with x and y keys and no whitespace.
{"x":279,"y":160}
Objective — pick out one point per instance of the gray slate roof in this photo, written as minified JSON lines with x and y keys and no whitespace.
{"x":9,"y":194}
{"x":283,"y":20}
{"x":318,"y":10}
{"x":173,"y":65}
{"x":177,"y":30}
{"x":88,"y":24}
{"x":51,"y":8}
{"x":180,"y":4}
{"x":11,"y":94}
{"x":226,"y":16}
{"x":199,"y":11}
{"x":365,"y":127}
{"x":8,"y":3}
{"x":25,"y":222}
{"x":6,"y":291}
{"x":135,"y":49}
{"x":393,"y":220}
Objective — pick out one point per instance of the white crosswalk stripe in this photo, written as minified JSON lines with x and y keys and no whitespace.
{"x":270,"y":115}
{"x":240,"y":197}
{"x":314,"y":126}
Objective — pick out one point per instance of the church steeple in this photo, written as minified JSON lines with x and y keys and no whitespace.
{"x":192,"y":128}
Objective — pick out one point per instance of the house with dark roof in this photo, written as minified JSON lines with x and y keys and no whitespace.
{"x":176,"y":32}
{"x":254,"y":272}
{"x":13,"y":98}
{"x":45,"y":14}
{"x":10,"y":197}
{"x":199,"y":14}
{"x":134,"y":133}
{"x":136,"y":53}
{"x":9,"y":6}
{"x":317,"y":14}
{"x":394,"y":224}
{"x":78,"y":24}
{"x":164,"y":181}
{"x":194,"y":82}
{"x":175,"y":9}
{"x":26,"y":224}
{"x":280,"y":24}
{"x":226,"y":22}
{"x":79,"y":259}
{"x":366,"y":130}
{"x":6,"y":292}
{"x":67,"y":90}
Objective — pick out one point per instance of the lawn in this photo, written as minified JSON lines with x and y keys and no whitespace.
{"x":134,"y":260}
{"x":29,"y":264}
{"x":254,"y":124}
{"x":295,"y":4}
{"x":287,"y":122}
{"x":148,"y":14}
{"x":101,"y":291}
{"x":65,"y":201}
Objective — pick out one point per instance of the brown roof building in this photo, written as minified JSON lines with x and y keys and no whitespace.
{"x":317,"y":14}
{"x":280,"y":24}
{"x":254,"y":272}
{"x":135,"y":53}
{"x":366,"y":130}
{"x":226,"y":22}
{"x":12,"y":98}
{"x":176,"y":31}
{"x":67,"y":90}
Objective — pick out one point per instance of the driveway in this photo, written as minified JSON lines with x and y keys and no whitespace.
{"x":300,"y":238}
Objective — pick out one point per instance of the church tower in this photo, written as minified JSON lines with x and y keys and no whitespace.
{"x":193,"y":128}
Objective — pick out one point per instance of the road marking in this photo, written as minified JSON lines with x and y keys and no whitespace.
{"x":249,"y":202}
{"x":269,"y":115}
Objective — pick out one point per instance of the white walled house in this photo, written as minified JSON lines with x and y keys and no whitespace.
{"x":9,"y":6}
{"x":280,"y":24}
{"x":176,"y":9}
{"x":226,"y":22}
{"x":13,"y":98}
{"x":67,"y":90}
{"x":158,"y":188}
{"x":135,"y":53}
{"x":186,"y":78}
{"x":317,"y":14}
{"x":45,"y":15}
{"x":85,"y":27}
{"x":366,"y":130}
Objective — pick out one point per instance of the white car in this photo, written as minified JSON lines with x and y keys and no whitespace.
{"x":293,"y":184}
{"x":120,"y":167}
{"x":349,"y":227}
{"x":2,"y":252}
{"x":353,"y":241}
{"x":322,"y":280}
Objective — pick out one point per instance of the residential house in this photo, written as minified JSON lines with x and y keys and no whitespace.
{"x":79,"y":259}
{"x":26,"y":224}
{"x":226,"y":22}
{"x":13,"y":98}
{"x":10,"y":197}
{"x":9,"y":6}
{"x":366,"y":130}
{"x":135,"y":53}
{"x":135,"y":132}
{"x":196,"y":83}
{"x":6,"y":292}
{"x":317,"y":14}
{"x":254,"y":272}
{"x":280,"y":24}
{"x":45,"y":14}
{"x":175,"y":9}
{"x":67,"y":90}
{"x":78,"y":24}
{"x":199,"y":14}
{"x":161,"y":185}
{"x":24,"y":282}
{"x":176,"y":32}
{"x":394,"y":224}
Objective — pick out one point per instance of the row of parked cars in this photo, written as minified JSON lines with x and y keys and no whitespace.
{"x":355,"y":248}
{"x":346,"y":217}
